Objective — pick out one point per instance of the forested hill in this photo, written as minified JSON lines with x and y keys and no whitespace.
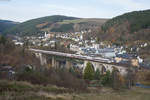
{"x":56,"y":23}
{"x":127,"y":27}
{"x":5,"y":24}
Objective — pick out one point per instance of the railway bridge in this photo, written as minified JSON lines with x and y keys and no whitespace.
{"x":59,"y":59}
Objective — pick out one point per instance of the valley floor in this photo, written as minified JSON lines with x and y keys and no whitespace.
{"x":27,"y":91}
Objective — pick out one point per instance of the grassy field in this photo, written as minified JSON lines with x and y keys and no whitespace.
{"x":27,"y":91}
{"x":83,"y":20}
{"x":108,"y":94}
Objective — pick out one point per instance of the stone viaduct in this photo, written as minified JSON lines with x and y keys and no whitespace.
{"x":60,"y":60}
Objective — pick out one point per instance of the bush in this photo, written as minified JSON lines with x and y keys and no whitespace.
{"x":66,"y":79}
{"x":106,"y":79}
{"x":58,"y":77}
{"x":76,"y":72}
{"x":3,"y":40}
{"x":97,"y":75}
{"x":33,"y":77}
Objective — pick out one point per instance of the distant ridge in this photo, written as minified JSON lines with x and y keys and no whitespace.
{"x":6,"y":24}
{"x":55,"y":23}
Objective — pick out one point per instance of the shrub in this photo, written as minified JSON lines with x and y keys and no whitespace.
{"x":33,"y":77}
{"x":106,"y":79}
{"x":57,"y":77}
{"x":97,"y":75}
{"x":76,"y":72}
{"x":65,"y":79}
{"x":3,"y":40}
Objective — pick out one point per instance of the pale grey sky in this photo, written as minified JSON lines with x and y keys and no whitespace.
{"x":22,"y":10}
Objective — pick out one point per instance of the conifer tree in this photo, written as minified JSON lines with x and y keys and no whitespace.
{"x":89,"y":72}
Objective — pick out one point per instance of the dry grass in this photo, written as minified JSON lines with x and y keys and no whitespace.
{"x":109,"y":94}
{"x":27,"y":91}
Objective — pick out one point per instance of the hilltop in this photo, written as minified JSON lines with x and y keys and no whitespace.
{"x":5,"y":24}
{"x":56,"y":23}
{"x":128,"y":27}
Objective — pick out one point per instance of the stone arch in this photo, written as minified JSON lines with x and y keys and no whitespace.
{"x":103,"y":70}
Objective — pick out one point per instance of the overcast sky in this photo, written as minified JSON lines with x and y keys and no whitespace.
{"x":22,"y":10}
